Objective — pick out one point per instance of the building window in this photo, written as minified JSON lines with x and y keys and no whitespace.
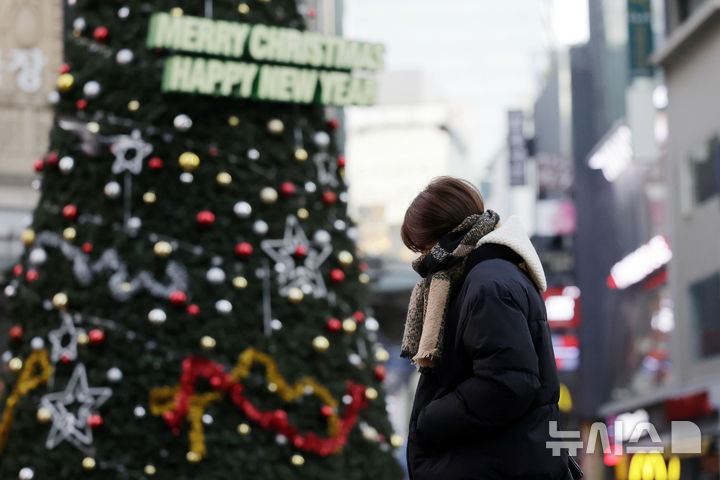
{"x":705,"y":313}
{"x":703,"y":173}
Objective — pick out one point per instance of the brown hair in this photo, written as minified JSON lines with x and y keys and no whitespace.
{"x":442,"y":206}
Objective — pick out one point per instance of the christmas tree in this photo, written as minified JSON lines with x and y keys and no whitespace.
{"x":189,"y":304}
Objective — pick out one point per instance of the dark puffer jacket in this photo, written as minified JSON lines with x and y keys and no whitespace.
{"x":484,"y":411}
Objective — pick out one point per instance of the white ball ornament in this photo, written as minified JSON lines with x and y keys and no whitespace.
{"x":321,"y":139}
{"x":182,"y":122}
{"x":242,"y":209}
{"x":354,"y":359}
{"x":37,"y":343}
{"x":157,"y":316}
{"x":353,"y":233}
{"x":9,"y":291}
{"x":186,"y":177}
{"x":124,"y":56}
{"x":53,"y":97}
{"x":123,"y":13}
{"x":253,"y":154}
{"x":139,"y":411}
{"x":215,"y":275}
{"x":223,"y":306}
{"x":275,"y":324}
{"x":91,"y":89}
{"x":38,"y":256}
{"x":371,"y":324}
{"x":112,"y":189}
{"x":114,"y":375}
{"x":310,"y":187}
{"x":66,"y":164}
{"x":79,"y":24}
{"x":321,"y":237}
{"x":339,"y":225}
{"x":133,"y":224}
{"x":26,"y":473}
{"x":260,"y":227}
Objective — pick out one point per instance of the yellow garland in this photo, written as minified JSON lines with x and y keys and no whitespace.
{"x":162,"y":398}
{"x":27,"y":381}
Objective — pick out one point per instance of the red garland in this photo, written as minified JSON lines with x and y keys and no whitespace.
{"x":275,"y":420}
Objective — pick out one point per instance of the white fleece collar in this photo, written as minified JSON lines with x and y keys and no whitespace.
{"x":512,"y":234}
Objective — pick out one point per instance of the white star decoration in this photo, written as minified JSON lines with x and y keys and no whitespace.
{"x":69,"y":425}
{"x":303,"y":274}
{"x":122,"y":147}
{"x":56,"y":337}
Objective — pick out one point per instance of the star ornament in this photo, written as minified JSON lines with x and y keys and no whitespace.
{"x":70,"y":410}
{"x":294,"y":271}
{"x":67,"y":331}
{"x":130,"y":151}
{"x":326,"y":168}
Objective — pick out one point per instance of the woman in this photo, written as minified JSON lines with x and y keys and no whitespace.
{"x":477,"y":330}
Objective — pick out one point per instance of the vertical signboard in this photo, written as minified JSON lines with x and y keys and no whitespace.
{"x":640,"y":38}
{"x":516,"y":147}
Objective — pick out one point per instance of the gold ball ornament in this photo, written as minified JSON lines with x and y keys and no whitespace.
{"x":349,"y":325}
{"x":94,"y":127}
{"x":223,"y":178}
{"x":303,"y":213}
{"x":297,"y":460}
{"x":189,"y":161}
{"x":396,"y":440}
{"x":89,"y":463}
{"x":149,"y":197}
{"x":345,"y":258}
{"x":364,"y":278}
{"x":69,"y":234}
{"x":193,"y":457}
{"x":272,"y":387}
{"x":65,"y":82}
{"x":320,"y":343}
{"x":150,"y":470}
{"x":15,"y":364}
{"x":176,"y":12}
{"x":239,"y":282}
{"x":295,"y":295}
{"x":125,"y":286}
{"x":243,"y":429}
{"x":268,"y":195}
{"x":44,"y":415}
{"x":162,"y":248}
{"x":243,"y":9}
{"x":301,"y":155}
{"x":382,"y":355}
{"x":276,"y":126}
{"x":207,"y":342}
{"x":133,"y":105}
{"x":60,"y":300}
{"x":234,"y":121}
{"x":27,"y":236}
{"x":83,"y":338}
{"x":371,"y":393}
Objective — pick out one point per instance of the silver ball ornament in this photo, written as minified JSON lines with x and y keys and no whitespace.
{"x":79,"y":24}
{"x":10,"y":291}
{"x":275,"y":324}
{"x":339,"y":225}
{"x":112,"y":189}
{"x":124,"y":56}
{"x":37,"y":256}
{"x":66,"y":164}
{"x":321,"y":139}
{"x":321,"y":237}
{"x":310,"y":187}
{"x":37,"y":343}
{"x":36,"y":184}
{"x":157,"y":316}
{"x":186,"y":177}
{"x":123,"y":13}
{"x":26,"y":473}
{"x":253,"y":154}
{"x":242,"y":209}
{"x":207,"y":419}
{"x":139,"y":411}
{"x":53,"y":97}
{"x":354,"y":359}
{"x":260,"y":227}
{"x":91,"y":89}
{"x":133,"y":224}
{"x":223,"y":306}
{"x":215,"y":275}
{"x":371,"y":324}
{"x":182,"y":122}
{"x":353,"y":233}
{"x":114,"y":375}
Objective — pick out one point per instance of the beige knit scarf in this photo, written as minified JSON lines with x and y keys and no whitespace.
{"x":441,"y":268}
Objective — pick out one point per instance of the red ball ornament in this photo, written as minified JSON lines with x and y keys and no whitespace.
{"x":96,"y":336}
{"x":63,"y":68}
{"x":205,"y":218}
{"x":69,"y":211}
{"x":287,"y":189}
{"x":65,"y":359}
{"x":51,"y":159}
{"x":363,"y":266}
{"x":334,"y":325}
{"x":178,"y":298}
{"x":16,"y":333}
{"x":87,"y":247}
{"x":243,"y":250}
{"x":359,"y":316}
{"x":17,"y":270}
{"x":334,"y":123}
{"x":31,"y":275}
{"x":298,"y":441}
{"x":300,"y":252}
{"x":81,"y":104}
{"x":216,"y":381}
{"x":329,"y":197}
{"x":101,"y":34}
{"x":327,"y":410}
{"x":280,"y":417}
{"x":337,"y":275}
{"x":380,"y":372}
{"x":192,"y":309}
{"x":155,"y":163}
{"x":213,"y":151}
{"x":341,"y":161}
{"x":38,"y":165}
{"x":95,"y":421}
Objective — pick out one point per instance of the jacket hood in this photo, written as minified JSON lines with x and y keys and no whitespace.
{"x":511,"y":234}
